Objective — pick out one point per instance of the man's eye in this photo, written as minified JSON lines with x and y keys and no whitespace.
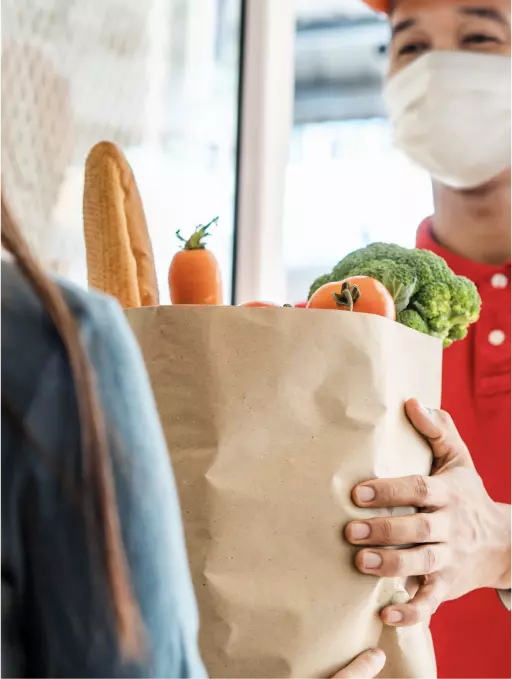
{"x":413,"y":48}
{"x":480,"y":39}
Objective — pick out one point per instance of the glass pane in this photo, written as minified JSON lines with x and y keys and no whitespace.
{"x":346,"y":184}
{"x":157,"y":77}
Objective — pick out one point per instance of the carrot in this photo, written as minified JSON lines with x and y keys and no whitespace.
{"x":194,"y":274}
{"x":359,"y":293}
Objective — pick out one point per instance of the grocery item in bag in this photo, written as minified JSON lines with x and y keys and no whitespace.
{"x":271,"y":417}
{"x":194,"y":273}
{"x":119,"y":253}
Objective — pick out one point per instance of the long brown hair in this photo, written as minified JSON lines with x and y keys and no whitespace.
{"x":99,"y":500}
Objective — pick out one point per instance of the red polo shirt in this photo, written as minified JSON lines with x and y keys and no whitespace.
{"x":472,"y":635}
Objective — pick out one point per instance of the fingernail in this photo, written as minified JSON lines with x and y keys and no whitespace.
{"x":360,"y":531}
{"x":365,"y":494}
{"x":394,"y":617}
{"x":371,"y":560}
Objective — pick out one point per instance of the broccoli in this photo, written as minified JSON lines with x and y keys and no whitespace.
{"x":399,"y":279}
{"x":465,"y":309}
{"x":466,"y":299}
{"x":352,"y":262}
{"x":428,"y":267}
{"x":413,"y":320}
{"x":428,"y":296}
{"x":433,"y":301}
{"x":376,"y":251}
{"x":458,"y":332}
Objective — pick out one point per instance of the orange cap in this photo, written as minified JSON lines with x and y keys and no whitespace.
{"x":380,"y":5}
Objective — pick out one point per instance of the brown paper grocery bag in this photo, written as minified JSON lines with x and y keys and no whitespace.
{"x":271,"y":417}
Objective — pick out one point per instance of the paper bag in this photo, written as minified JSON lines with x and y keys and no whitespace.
{"x":271,"y":417}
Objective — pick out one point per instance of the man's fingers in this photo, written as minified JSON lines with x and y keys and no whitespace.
{"x":420,"y":609}
{"x":416,"y":491}
{"x":392,"y":563}
{"x":399,"y":530}
{"x":366,"y":666}
{"x":440,"y":431}
{"x":449,"y":450}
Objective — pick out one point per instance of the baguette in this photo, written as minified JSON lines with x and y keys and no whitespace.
{"x":120,"y":258}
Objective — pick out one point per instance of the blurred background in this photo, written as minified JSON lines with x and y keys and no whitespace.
{"x":178,"y":84}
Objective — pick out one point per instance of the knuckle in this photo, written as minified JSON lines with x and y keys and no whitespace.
{"x":421,"y":489}
{"x":414,"y":615}
{"x":386,"y":530}
{"x":430,"y":560}
{"x":390,"y":492}
{"x":397,"y":563}
{"x":429,"y":606}
{"x":424,"y":528}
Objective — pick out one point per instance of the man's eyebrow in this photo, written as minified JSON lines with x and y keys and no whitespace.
{"x":402,"y":26}
{"x":481,"y":12}
{"x":485,"y":13}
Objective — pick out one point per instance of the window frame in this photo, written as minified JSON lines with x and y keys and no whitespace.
{"x":265,"y":120}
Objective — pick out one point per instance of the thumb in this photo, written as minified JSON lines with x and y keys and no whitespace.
{"x":441,"y":433}
{"x":366,"y":666}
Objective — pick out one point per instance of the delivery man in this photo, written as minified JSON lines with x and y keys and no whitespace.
{"x":448,"y":96}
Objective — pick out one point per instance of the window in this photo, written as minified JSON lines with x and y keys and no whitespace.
{"x":157,"y":77}
{"x":346,"y":188}
{"x":346,"y":184}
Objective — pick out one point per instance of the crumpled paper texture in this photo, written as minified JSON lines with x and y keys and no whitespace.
{"x":271,"y":417}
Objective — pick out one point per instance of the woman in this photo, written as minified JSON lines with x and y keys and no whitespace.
{"x":95,"y":581}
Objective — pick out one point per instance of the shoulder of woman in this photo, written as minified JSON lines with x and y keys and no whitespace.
{"x":29,"y":338}
{"x":23,"y":309}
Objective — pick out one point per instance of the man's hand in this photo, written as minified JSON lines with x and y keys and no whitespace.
{"x":462,"y":536}
{"x":366,"y":666}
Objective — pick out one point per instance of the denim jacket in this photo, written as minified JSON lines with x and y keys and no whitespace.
{"x":56,"y":616}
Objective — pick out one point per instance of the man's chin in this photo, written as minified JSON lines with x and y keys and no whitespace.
{"x":501,"y":180}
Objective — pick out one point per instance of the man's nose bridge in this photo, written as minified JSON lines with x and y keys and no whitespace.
{"x":444,"y":29}
{"x":446,"y":43}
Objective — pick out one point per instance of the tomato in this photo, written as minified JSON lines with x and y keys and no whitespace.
{"x":301,"y":305}
{"x":359,"y":293}
{"x":259,"y":304}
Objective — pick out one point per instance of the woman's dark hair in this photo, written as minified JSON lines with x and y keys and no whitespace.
{"x":99,"y":500}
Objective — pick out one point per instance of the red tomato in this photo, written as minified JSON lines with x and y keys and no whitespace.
{"x":301,"y":305}
{"x":359,"y":293}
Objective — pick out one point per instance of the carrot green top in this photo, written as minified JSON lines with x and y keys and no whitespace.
{"x":196,"y":240}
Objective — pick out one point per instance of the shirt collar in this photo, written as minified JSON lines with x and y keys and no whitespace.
{"x":475,"y":271}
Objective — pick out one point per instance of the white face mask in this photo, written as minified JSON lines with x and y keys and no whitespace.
{"x":451,"y":114}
